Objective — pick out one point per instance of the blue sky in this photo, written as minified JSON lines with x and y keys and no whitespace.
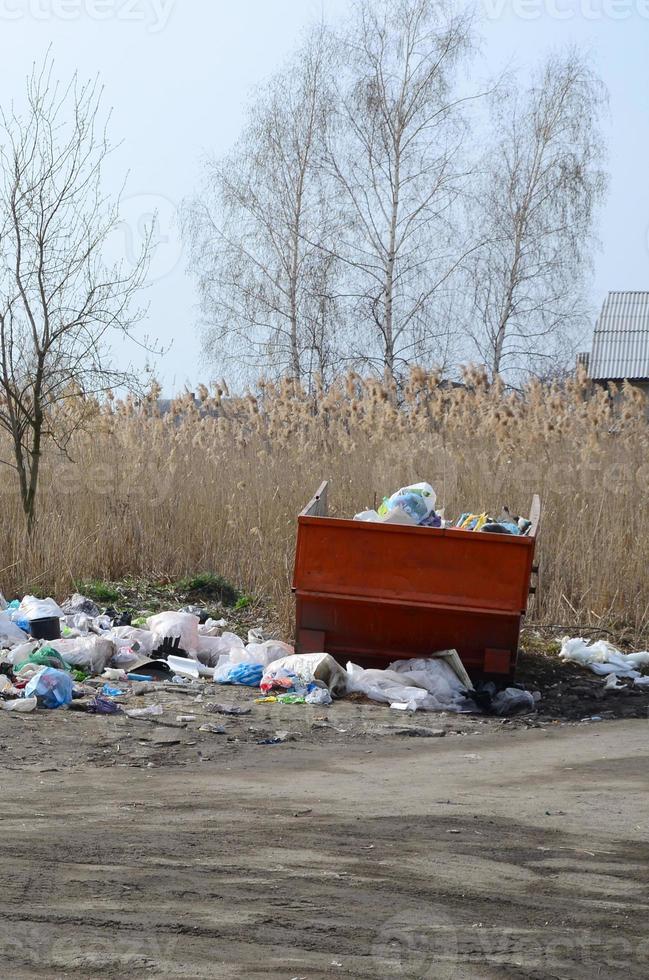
{"x":178,"y":75}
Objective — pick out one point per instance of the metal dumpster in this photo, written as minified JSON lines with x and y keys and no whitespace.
{"x":374,"y":593}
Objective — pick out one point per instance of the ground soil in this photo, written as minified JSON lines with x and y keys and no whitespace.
{"x":364,"y":843}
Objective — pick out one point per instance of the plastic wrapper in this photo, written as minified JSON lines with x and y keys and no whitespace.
{"x":248,"y":675}
{"x":177,"y":626}
{"x":387,"y":687}
{"x":309,"y":667}
{"x":319,"y":695}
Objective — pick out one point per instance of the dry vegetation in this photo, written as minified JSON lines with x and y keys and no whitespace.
{"x":219,"y":488}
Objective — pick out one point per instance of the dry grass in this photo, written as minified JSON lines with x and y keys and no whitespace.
{"x":220,"y":489}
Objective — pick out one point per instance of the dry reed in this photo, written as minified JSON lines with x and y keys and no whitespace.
{"x":219,"y":487}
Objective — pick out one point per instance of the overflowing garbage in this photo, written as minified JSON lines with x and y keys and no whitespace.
{"x":95,"y":662}
{"x":415,"y":506}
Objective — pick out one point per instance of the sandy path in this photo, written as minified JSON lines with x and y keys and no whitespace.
{"x":517,"y":855}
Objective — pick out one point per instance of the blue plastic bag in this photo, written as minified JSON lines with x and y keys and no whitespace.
{"x":53,"y":688}
{"x":249,"y":675}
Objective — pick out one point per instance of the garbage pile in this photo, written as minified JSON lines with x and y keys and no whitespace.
{"x":74,"y":656}
{"x":416,"y":506}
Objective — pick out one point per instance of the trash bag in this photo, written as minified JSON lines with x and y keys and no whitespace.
{"x":21,"y":706}
{"x":32,"y":608}
{"x":416,"y":501}
{"x":91,"y":654}
{"x":45,"y":657}
{"x":310,"y":667}
{"x":10,"y":633}
{"x":102,"y":706}
{"x":512,"y":701}
{"x":212,"y":627}
{"x":437,"y":676}
{"x":176,"y":626}
{"x":389,"y":687}
{"x":248,"y":675}
{"x":213,"y":650}
{"x":79,"y":604}
{"x":129,"y":636}
{"x":53,"y":688}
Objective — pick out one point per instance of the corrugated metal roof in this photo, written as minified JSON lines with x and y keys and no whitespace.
{"x":621,"y":341}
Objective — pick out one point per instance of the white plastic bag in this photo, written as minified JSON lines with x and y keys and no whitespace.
{"x":213,"y":650}
{"x":603,"y":658}
{"x":177,"y":626}
{"x":212,"y":627}
{"x":128,"y":636}
{"x":263,"y":653}
{"x":385,"y":686}
{"x":21,"y":705}
{"x":32,"y":608}
{"x":21,"y":652}
{"x":436,"y":676}
{"x":91,"y":654}
{"x":10,"y":634}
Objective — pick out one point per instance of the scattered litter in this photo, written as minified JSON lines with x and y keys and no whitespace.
{"x":102,"y":706}
{"x":21,"y":706}
{"x":212,"y":729}
{"x":227,"y":709}
{"x":152,"y":710}
{"x":602,"y":658}
{"x":413,"y":732}
{"x":277,"y":739}
{"x":111,"y":692}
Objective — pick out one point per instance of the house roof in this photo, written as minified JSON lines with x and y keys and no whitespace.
{"x":621,"y":341}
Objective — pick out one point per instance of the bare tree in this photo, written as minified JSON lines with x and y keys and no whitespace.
{"x":535,"y":204}
{"x":261,"y":229}
{"x":396,"y":156}
{"x":59,"y":301}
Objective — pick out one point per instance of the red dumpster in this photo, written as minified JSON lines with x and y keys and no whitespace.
{"x":374,"y":593}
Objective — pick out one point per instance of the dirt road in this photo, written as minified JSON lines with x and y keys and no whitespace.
{"x":511,"y":853}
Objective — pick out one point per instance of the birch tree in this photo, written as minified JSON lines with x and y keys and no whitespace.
{"x":262,"y":227}
{"x":396,"y":155}
{"x":535,"y":204}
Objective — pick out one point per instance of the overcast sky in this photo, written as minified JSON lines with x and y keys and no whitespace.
{"x":178,"y":74}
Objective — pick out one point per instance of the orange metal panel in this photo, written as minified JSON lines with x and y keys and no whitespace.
{"x":378,"y":592}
